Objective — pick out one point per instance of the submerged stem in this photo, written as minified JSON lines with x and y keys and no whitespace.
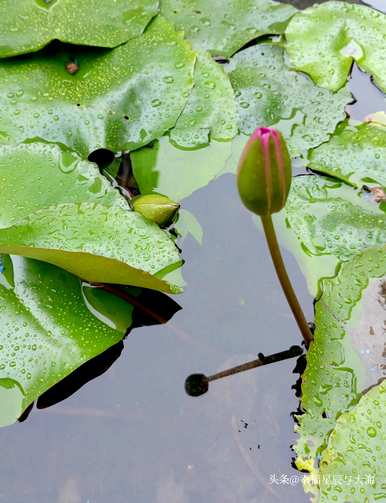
{"x":285,"y":282}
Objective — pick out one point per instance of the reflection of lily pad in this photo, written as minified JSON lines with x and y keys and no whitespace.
{"x":352,"y":468}
{"x":119,"y":99}
{"x":178,"y":173}
{"x":325,"y":221}
{"x":347,"y":355}
{"x":324,"y":40}
{"x":29,"y":25}
{"x":210,"y":113}
{"x":354,"y":154}
{"x":46,"y":333}
{"x":269,"y":94}
{"x":222,"y":27}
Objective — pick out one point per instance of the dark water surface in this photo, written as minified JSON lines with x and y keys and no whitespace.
{"x":133,"y":435}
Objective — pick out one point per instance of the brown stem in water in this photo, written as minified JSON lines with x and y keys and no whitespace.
{"x":198,"y":384}
{"x":285,"y":282}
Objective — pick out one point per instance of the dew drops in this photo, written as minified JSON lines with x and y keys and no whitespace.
{"x":371,"y":432}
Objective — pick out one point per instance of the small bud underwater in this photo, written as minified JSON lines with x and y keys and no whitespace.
{"x":264,"y":180}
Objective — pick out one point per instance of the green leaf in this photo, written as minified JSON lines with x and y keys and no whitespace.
{"x":210,"y":113}
{"x":354,"y":154}
{"x":86,"y":22}
{"x":97,"y":244}
{"x":346,"y":356}
{"x":352,"y":465}
{"x":119,"y":99}
{"x":325,"y":221}
{"x":324,"y":40}
{"x":222,"y":27}
{"x":178,"y":173}
{"x":46,"y":333}
{"x":38,"y":175}
{"x":269,"y":94}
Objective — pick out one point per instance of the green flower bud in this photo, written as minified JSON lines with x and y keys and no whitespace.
{"x":156,"y":207}
{"x":264,"y":172}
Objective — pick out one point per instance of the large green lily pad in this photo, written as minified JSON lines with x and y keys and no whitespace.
{"x":119,"y":99}
{"x":347,"y":355}
{"x":178,"y":173}
{"x":324,"y":40}
{"x":96,"y":243}
{"x":352,"y":468}
{"x":58,"y":208}
{"x":29,"y":25}
{"x":354,"y":154}
{"x":325,"y":221}
{"x":46,"y":332}
{"x":38,"y":175}
{"x":269,"y":94}
{"x":222,"y":27}
{"x":210,"y":113}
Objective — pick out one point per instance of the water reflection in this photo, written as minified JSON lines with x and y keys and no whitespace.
{"x":133,"y":435}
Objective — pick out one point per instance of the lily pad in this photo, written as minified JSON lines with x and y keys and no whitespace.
{"x":338,"y":365}
{"x":86,"y":22}
{"x":210,"y":113}
{"x":38,"y":175}
{"x":268,"y":93}
{"x":325,"y":221}
{"x":178,"y":173}
{"x":46,"y":333}
{"x":354,"y":154}
{"x":97,"y":244}
{"x":324,"y":40}
{"x":119,"y":99}
{"x":351,"y":468}
{"x":222,"y":27}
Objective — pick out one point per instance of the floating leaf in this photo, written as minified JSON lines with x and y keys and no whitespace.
{"x":210,"y":113}
{"x":178,"y":173}
{"x":325,"y":221}
{"x":97,"y":244}
{"x":269,"y":94}
{"x":222,"y":27}
{"x":352,"y":468}
{"x":324,"y":40}
{"x":38,"y":175}
{"x":37,"y":179}
{"x":347,"y":355}
{"x":91,"y":22}
{"x":46,"y":333}
{"x":119,"y":99}
{"x":354,"y":154}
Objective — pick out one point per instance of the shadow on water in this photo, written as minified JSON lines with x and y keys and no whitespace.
{"x":134,"y":435}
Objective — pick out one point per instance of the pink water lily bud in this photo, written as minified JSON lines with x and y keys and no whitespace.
{"x":264,"y":173}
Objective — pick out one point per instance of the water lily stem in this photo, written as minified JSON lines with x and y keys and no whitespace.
{"x":285,"y":282}
{"x":198,"y":384}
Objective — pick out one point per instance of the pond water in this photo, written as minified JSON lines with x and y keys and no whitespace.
{"x":133,"y":435}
